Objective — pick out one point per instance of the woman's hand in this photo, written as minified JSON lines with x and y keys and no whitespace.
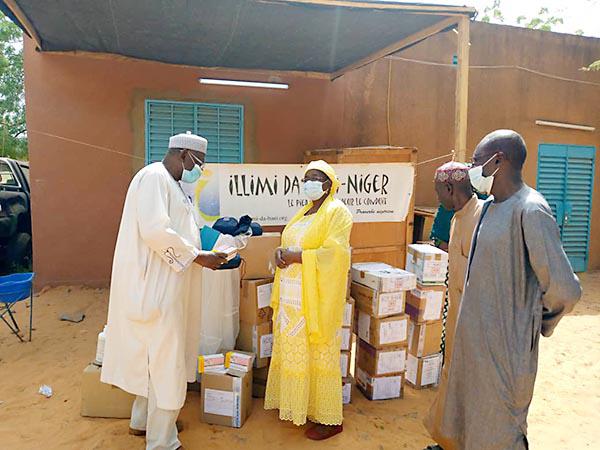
{"x":285,"y":257}
{"x":279,"y":259}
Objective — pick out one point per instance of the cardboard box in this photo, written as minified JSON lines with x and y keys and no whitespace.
{"x":257,"y":339}
{"x":345,"y":359}
{"x":378,"y":362}
{"x":241,"y":361}
{"x":211,"y":363}
{"x":103,"y":400}
{"x":378,"y":304}
{"x":226,"y":399}
{"x":428,"y":263}
{"x":391,"y":331}
{"x":255,"y":301}
{"x":379,"y":388}
{"x":347,"y":390}
{"x":382,"y":277}
{"x":348,"y":320}
{"x":346,"y":334}
{"x":348,"y":284}
{"x":259,"y":256}
{"x":424,"y":339}
{"x":259,"y":382}
{"x":423,"y":372}
{"x":426,"y":303}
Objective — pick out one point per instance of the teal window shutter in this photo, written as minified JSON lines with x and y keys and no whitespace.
{"x":566,"y":179}
{"x":221,"y":124}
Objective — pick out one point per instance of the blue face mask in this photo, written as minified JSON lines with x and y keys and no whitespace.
{"x":191,"y":176}
{"x":313,"y":190}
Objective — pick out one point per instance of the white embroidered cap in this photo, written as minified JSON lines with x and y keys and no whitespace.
{"x":188,"y":141}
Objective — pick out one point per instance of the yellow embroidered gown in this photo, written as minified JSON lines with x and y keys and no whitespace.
{"x":304,"y":378}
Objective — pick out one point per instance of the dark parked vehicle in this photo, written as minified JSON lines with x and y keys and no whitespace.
{"x":15,"y":215}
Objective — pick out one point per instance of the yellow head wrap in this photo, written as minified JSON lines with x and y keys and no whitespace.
{"x":324,"y":167}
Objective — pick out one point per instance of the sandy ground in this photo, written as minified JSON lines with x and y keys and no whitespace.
{"x":564,"y":415}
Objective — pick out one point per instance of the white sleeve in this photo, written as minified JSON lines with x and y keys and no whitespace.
{"x":155,"y":224}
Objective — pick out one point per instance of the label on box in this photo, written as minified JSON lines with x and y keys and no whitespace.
{"x":344,"y":364}
{"x":207,"y":363}
{"x":391,"y":362}
{"x":387,"y":387}
{"x":346,"y":393}
{"x":239,"y":361}
{"x":431,"y":370}
{"x":391,"y":332}
{"x":433,"y":304}
{"x":412,"y":366}
{"x":421,"y":344}
{"x":217,"y":402}
{"x":347,"y":315}
{"x":364,"y":327}
{"x":266,"y":346}
{"x":434,"y":269}
{"x":411,"y":330}
{"x":390,"y":304}
{"x":263,"y":294}
{"x":237,"y":403}
{"x":346,"y":341}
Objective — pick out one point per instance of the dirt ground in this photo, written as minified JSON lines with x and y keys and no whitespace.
{"x":564,"y":415}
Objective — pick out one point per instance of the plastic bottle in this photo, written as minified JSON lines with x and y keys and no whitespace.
{"x":100,"y":347}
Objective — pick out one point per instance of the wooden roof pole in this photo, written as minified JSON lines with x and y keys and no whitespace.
{"x":462,"y":91}
{"x":402,"y":44}
{"x":21,"y":17}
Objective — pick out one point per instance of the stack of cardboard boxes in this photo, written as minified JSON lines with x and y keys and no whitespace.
{"x":226,"y":388}
{"x":380,"y":294}
{"x":256,"y":314}
{"x":424,"y":305}
{"x":347,"y":335}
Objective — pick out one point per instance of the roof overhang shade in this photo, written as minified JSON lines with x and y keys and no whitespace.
{"x":324,"y":36}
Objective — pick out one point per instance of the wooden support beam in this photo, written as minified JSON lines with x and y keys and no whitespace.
{"x":462,"y":91}
{"x":22,"y":18}
{"x":420,"y":35}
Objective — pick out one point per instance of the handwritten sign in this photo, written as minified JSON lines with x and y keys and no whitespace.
{"x":272,"y":193}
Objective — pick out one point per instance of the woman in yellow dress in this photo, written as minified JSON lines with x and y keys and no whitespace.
{"x":308,"y":302}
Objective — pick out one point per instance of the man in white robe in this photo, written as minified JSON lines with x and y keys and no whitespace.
{"x":151,"y":341}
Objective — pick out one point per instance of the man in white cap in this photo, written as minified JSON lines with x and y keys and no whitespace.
{"x":151,"y":341}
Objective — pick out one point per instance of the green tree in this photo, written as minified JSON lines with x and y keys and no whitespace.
{"x":544,"y":21}
{"x":13,"y":133}
{"x":493,"y":12}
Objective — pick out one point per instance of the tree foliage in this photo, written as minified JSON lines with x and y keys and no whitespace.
{"x":13,"y":133}
{"x":493,"y":12}
{"x":544,"y":20}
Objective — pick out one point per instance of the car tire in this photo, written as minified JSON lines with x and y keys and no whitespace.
{"x":18,"y":251}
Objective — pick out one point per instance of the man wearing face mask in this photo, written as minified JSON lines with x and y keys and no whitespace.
{"x":519,"y":284}
{"x":455,"y":194}
{"x":308,"y":301}
{"x":150,"y":347}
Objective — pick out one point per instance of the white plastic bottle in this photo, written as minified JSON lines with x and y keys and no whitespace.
{"x":100,"y":347}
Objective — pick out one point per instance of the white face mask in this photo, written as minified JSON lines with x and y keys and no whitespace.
{"x":313,"y":190}
{"x":481,"y":183}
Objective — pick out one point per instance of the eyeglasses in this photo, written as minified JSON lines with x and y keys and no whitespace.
{"x":197,"y":160}
{"x":322,"y":180}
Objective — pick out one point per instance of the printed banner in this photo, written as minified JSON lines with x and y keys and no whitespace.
{"x":272,"y":193}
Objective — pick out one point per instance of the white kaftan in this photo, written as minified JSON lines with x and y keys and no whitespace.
{"x":153,"y":313}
